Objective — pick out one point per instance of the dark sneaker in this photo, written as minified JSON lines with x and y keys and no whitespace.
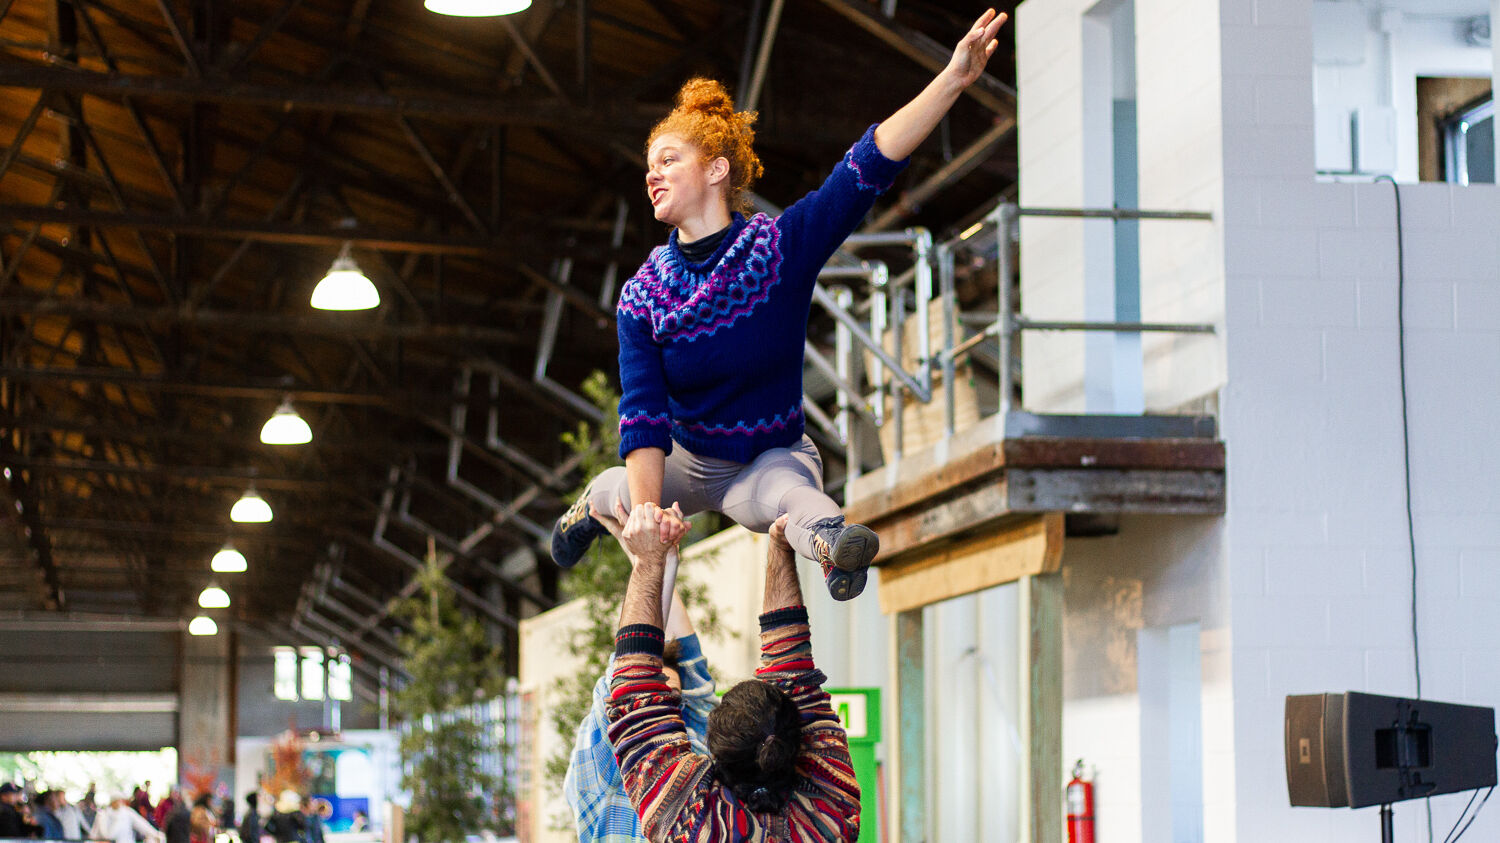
{"x":845,"y":553}
{"x":574,"y":532}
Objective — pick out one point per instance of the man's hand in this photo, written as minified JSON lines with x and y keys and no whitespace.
{"x":640,"y":535}
{"x":778,"y":534}
{"x":782,"y":586}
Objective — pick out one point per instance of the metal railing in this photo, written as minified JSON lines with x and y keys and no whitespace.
{"x":885,"y":309}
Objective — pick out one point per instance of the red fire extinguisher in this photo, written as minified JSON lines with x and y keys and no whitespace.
{"x":1080,"y":807}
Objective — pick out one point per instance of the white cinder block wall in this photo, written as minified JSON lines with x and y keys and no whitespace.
{"x":1304,"y":585}
{"x":1316,"y":527}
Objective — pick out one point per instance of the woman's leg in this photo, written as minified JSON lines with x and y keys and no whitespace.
{"x":576,"y":531}
{"x":790,"y":481}
{"x":783,"y":481}
{"x":680,"y":484}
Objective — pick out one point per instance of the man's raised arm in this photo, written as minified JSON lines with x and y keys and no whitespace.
{"x":783,"y":589}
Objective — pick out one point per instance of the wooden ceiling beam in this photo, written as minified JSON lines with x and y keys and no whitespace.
{"x":927,"y":52}
{"x":330,"y":325}
{"x":509,"y":246}
{"x":489,"y":111}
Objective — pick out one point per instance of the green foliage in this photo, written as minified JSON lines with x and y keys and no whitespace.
{"x":601,"y":577}
{"x":452,"y":666}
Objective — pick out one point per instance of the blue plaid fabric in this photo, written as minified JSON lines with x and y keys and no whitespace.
{"x":593,"y":787}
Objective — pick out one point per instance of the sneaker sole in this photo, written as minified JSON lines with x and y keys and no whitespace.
{"x":847,"y":585}
{"x":856,"y":549}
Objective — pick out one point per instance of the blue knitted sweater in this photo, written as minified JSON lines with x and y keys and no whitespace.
{"x":711,"y":353}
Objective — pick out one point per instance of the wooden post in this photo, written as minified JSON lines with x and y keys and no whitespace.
{"x":1040,"y":613}
{"x":911,"y":718}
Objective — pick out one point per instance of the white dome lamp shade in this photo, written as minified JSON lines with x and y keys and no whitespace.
{"x":477,"y":8}
{"x":228,"y":561}
{"x":213,"y":597}
{"x":345,"y":287}
{"x":285,"y":427}
{"x":203,"y":625}
{"x":251,"y":508}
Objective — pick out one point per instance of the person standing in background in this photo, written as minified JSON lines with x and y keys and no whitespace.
{"x":121,"y":823}
{"x":250,"y":824}
{"x":203,"y":822}
{"x":12,"y":822}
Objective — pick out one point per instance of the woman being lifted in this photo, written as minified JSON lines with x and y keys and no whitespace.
{"x":713,"y":324}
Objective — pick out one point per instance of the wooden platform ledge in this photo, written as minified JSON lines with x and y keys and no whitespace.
{"x":978,"y":485}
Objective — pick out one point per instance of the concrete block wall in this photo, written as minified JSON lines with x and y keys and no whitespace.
{"x":1155,"y":573}
{"x":1180,"y":161}
{"x":1180,"y":167}
{"x":1050,"y":149}
{"x":1320,"y":574}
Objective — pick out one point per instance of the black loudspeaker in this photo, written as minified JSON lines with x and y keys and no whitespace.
{"x":1355,"y":750}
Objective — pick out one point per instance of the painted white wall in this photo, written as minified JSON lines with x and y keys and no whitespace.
{"x":1399,"y":46}
{"x":1319,"y":573}
{"x":1156,"y":573}
{"x":1061,"y":50}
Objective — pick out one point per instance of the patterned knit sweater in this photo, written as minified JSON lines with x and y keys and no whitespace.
{"x":711,"y":353}
{"x":676,"y":791}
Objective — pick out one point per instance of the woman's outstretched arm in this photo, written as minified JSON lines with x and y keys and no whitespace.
{"x":900,"y":135}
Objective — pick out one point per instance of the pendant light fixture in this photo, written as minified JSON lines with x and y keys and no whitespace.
{"x":285,"y":427}
{"x":203,"y":625}
{"x":251,"y":508}
{"x":477,"y":8}
{"x":213,"y":597}
{"x":228,"y":561}
{"x":345,"y":287}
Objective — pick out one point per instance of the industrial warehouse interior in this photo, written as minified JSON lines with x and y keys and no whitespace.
{"x":1165,"y":371}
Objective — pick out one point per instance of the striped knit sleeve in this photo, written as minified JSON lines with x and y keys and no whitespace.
{"x":660,"y":771}
{"x":824,"y":762}
{"x":644,"y":419}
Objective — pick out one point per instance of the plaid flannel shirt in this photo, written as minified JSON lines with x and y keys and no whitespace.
{"x":593,"y":786}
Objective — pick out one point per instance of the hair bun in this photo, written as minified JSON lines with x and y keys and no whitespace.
{"x":707,"y":96}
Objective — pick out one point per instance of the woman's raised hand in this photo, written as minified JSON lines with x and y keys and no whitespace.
{"x":974,"y":51}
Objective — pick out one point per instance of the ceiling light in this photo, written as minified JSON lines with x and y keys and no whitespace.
{"x":477,"y":8}
{"x":203,"y":625}
{"x":251,"y":508}
{"x":228,"y":561}
{"x":345,"y":287}
{"x":213,"y":597}
{"x":285,"y":427}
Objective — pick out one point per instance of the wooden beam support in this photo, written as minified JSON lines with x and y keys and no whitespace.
{"x":1021,"y":548}
{"x":911,"y":715}
{"x":1040,"y":614}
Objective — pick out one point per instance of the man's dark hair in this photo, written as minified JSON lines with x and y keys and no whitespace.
{"x":754,"y":735}
{"x":253,"y":800}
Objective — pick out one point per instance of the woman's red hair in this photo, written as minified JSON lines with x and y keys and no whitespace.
{"x":706,"y":118}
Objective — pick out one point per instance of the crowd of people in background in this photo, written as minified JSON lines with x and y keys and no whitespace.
{"x":179,"y":817}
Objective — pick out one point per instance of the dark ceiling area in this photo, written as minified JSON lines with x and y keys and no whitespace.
{"x":177,"y":175}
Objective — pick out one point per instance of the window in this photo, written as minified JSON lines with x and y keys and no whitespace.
{"x":312,"y":673}
{"x":285,"y":673}
{"x":1469,"y":145}
{"x":340,"y":678}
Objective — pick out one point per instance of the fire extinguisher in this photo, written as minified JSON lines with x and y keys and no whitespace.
{"x":1080,"y":807}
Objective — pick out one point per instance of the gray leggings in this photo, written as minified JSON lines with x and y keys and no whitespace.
{"x":754,"y":494}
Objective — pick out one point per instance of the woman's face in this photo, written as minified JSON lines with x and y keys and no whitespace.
{"x":677,"y":181}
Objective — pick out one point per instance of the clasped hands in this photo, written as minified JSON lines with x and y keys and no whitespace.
{"x":646,"y":532}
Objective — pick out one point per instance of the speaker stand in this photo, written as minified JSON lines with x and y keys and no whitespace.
{"x":1387,"y":824}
